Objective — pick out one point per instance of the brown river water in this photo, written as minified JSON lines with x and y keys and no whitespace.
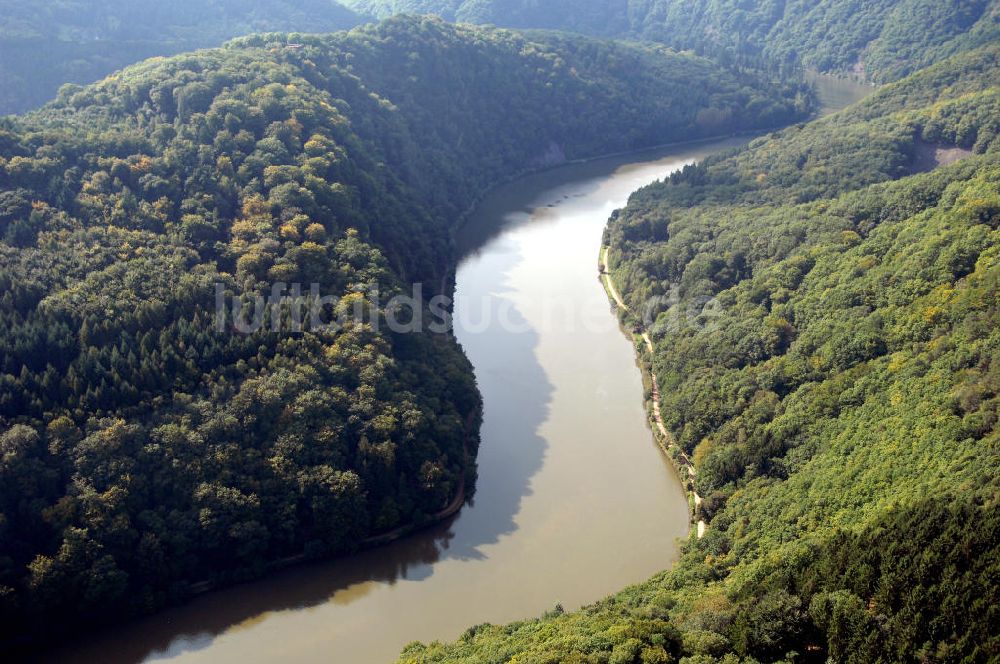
{"x":574,"y":500}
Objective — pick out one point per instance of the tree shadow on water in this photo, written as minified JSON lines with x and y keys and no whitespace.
{"x":516,"y":393}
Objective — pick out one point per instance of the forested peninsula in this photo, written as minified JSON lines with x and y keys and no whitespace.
{"x":147,"y":451}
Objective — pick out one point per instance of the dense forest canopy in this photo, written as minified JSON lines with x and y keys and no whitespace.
{"x":826,"y":327}
{"x":45,"y":43}
{"x":144,"y":448}
{"x":880,"y":39}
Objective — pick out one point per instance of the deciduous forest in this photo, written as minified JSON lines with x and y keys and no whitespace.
{"x":46,"y":44}
{"x":881,"y":40}
{"x":823,"y":311}
{"x":818,"y":307}
{"x":145,"y":450}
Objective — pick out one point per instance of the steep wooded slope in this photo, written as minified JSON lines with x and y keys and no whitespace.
{"x":881,"y":39}
{"x":827,"y":338}
{"x":46,"y":43}
{"x":143,"y":446}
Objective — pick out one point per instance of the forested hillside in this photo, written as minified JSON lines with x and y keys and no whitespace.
{"x":880,"y":39}
{"x":46,"y":43}
{"x":144,"y":447}
{"x":823,"y":306}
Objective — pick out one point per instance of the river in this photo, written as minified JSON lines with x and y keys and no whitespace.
{"x":574,"y":500}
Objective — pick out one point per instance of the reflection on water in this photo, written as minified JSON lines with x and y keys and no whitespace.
{"x":573,"y":499}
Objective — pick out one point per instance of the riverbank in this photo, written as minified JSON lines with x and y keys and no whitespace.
{"x":832,"y":94}
{"x":564,"y":466}
{"x":635,"y":152}
{"x":379,"y":539}
{"x":685,"y":468}
{"x":640,"y":339}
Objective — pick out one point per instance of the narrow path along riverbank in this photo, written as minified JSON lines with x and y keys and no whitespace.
{"x":834,"y":95}
{"x":666,"y":441}
{"x":571,"y":502}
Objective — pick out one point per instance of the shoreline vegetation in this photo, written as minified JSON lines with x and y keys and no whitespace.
{"x":678,"y":458}
{"x":675,"y":454}
{"x":682,"y":463}
{"x":851,"y":372}
{"x":453,"y":507}
{"x":817,"y":411}
{"x":159,"y":438}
